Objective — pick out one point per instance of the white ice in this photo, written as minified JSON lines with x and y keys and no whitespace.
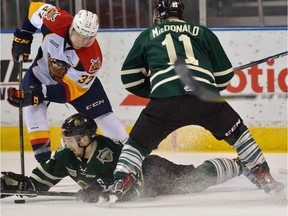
{"x":237,"y":197}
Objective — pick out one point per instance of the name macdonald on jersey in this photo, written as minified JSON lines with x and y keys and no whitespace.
{"x":175,"y":28}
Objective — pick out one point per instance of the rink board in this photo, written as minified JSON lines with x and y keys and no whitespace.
{"x":187,"y":139}
{"x":265,"y":117}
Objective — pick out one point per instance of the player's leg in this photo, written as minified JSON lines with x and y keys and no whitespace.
{"x":96,"y":104}
{"x":151,"y":127}
{"x":111,"y":126}
{"x":37,"y":122}
{"x":38,"y":131}
{"x":162,"y":177}
{"x":228,"y":125}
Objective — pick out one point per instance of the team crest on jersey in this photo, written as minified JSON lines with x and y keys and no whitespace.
{"x":51,"y":14}
{"x":95,"y":66}
{"x":57,"y":68}
{"x":105,"y":155}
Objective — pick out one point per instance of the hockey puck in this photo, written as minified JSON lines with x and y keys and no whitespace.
{"x":19,"y":201}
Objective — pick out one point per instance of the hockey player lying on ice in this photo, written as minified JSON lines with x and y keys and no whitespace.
{"x":90,"y":159}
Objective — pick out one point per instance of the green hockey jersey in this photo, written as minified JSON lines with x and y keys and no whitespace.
{"x":99,"y":167}
{"x":148,"y":70}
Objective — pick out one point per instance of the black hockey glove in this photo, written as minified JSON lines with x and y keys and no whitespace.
{"x":126,"y":189}
{"x":90,"y":193}
{"x":21,"y":44}
{"x":34,"y":96}
{"x":13,"y":181}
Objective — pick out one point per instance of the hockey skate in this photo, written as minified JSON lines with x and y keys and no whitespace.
{"x":265,"y":180}
{"x":246,"y":172}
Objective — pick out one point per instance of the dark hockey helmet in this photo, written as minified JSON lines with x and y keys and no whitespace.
{"x":79,"y":125}
{"x":168,"y":8}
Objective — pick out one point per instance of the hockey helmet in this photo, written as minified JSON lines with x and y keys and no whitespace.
{"x":79,"y":125}
{"x":86,"y":23}
{"x":168,"y":8}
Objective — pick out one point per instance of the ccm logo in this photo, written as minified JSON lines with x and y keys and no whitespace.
{"x":97,"y":103}
{"x":233,"y":128}
{"x":21,"y":41}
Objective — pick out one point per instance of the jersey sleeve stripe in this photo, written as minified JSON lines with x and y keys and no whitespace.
{"x":41,"y":169}
{"x":34,"y":6}
{"x":134,"y":71}
{"x":132,"y":84}
{"x":223,"y":73}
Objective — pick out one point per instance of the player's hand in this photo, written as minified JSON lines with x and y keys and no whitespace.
{"x":21,"y":45}
{"x":13,"y":181}
{"x":34,"y":96}
{"x":125,"y":189}
{"x":90,"y":193}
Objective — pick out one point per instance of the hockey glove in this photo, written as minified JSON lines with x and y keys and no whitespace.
{"x":13,"y":181}
{"x":124,"y":189}
{"x":34,"y":96}
{"x":21,"y":44}
{"x":90,"y":193}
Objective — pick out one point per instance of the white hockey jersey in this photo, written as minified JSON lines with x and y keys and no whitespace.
{"x":77,"y":68}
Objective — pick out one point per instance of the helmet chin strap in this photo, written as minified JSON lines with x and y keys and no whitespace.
{"x":80,"y":145}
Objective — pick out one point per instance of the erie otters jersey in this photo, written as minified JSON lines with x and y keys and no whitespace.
{"x":145,"y":75}
{"x":57,"y":63}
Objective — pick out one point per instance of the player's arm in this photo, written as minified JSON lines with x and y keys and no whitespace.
{"x":23,"y":37}
{"x":134,"y":73}
{"x":48,"y":174}
{"x":65,"y":91}
{"x":222,"y":67}
{"x":45,"y":176}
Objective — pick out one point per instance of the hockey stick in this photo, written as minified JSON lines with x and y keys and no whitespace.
{"x":21,"y":118}
{"x":261,"y":61}
{"x":195,"y":88}
{"x":37,"y":193}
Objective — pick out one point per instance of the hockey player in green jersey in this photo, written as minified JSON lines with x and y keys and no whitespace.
{"x":90,"y":159}
{"x":148,"y":71}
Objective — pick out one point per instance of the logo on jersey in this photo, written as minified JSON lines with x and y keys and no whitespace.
{"x":83,"y":171}
{"x":95,"y":66}
{"x":105,"y":155}
{"x":235,"y":126}
{"x":51,"y":14}
{"x":57,"y":68}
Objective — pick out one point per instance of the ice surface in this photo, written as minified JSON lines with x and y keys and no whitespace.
{"x":235,"y":197}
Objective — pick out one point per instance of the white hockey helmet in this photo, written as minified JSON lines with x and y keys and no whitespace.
{"x":86,"y":23}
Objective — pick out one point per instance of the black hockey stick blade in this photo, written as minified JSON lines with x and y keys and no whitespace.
{"x":192,"y":86}
{"x":195,"y":88}
{"x":269,"y":58}
{"x":37,"y":193}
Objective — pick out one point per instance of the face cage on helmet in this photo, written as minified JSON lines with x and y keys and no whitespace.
{"x":66,"y":144}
